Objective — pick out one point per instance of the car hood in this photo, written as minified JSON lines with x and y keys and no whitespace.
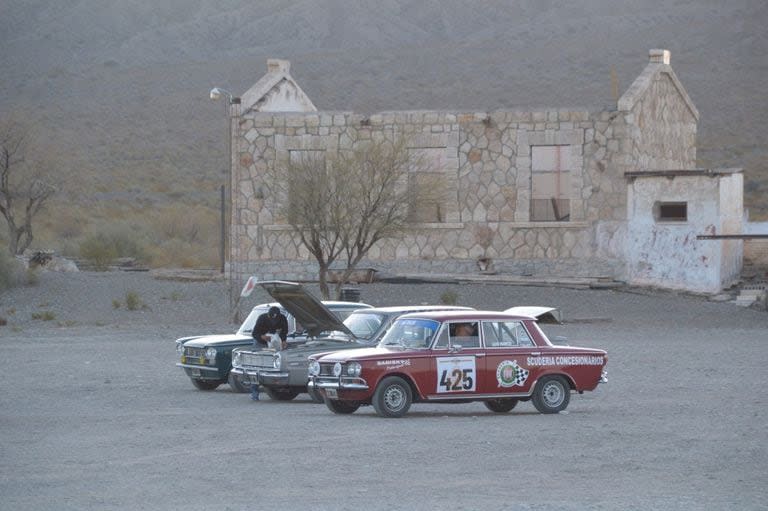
{"x":542,"y":314}
{"x":216,"y":340}
{"x":369,"y":353}
{"x":308,"y":310}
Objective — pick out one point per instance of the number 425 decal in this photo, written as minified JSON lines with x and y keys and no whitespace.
{"x":456,"y":374}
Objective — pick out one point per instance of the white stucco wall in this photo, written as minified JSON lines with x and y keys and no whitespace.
{"x":667,"y":254}
{"x":732,"y":222}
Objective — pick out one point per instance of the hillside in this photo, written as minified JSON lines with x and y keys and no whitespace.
{"x":118,"y":89}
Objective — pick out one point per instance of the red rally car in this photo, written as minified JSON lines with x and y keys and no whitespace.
{"x":457,"y":357}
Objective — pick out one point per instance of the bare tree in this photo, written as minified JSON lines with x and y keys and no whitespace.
{"x":342,"y":204}
{"x":23,"y":192}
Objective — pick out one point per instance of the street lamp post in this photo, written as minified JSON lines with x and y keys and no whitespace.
{"x":226,"y":226}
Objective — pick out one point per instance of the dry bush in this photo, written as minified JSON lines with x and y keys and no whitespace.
{"x":98,"y":251}
{"x":12,"y":272}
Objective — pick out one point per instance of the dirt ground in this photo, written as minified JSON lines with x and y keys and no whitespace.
{"x":95,"y":415}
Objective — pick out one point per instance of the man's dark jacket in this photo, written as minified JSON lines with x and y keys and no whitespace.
{"x":267,"y":325}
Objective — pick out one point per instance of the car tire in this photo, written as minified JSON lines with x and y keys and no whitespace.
{"x":315,"y":395}
{"x":281,"y":394}
{"x":236,"y":385}
{"x":393,"y":397}
{"x":205,"y":384}
{"x":552,"y":394}
{"x":501,"y":405}
{"x":342,"y":407}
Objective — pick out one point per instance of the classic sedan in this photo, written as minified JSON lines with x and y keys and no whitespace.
{"x":457,"y":357}
{"x":207,"y":359}
{"x":283,"y":374}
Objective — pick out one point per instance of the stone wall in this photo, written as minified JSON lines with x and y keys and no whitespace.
{"x":486,"y":160}
{"x":485,"y":156}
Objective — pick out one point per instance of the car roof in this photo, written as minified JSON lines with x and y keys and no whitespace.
{"x":330,"y":304}
{"x":472,"y":315}
{"x":416,"y":308}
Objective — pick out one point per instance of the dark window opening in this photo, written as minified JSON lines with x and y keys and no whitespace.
{"x":671,"y":211}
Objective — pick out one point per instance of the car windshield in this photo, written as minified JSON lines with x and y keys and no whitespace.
{"x":364,"y":325}
{"x":411,"y":333}
{"x":247,"y":327}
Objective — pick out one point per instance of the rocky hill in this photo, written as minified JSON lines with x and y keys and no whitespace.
{"x":117,"y":90}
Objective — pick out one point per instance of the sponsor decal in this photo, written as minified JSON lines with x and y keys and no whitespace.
{"x":509,"y":374}
{"x":394,"y":364}
{"x":567,"y":360}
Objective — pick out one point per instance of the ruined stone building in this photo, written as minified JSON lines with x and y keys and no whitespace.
{"x":612,"y":193}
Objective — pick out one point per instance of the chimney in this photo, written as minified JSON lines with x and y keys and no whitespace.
{"x":659,"y":56}
{"x":278,"y":66}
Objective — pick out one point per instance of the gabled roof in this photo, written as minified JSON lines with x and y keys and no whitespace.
{"x":658,"y":63}
{"x":276,"y":91}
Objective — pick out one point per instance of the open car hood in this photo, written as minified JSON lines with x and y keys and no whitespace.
{"x":308,"y":310}
{"x":542,"y":314}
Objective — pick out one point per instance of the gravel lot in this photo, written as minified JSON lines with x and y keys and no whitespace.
{"x":96,"y":416}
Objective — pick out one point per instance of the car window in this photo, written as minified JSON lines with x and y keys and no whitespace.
{"x":465,"y":334}
{"x":505,"y":334}
{"x":442,"y":338}
{"x":247,"y":327}
{"x":342,"y":314}
{"x":410,"y":333}
{"x":363,"y":324}
{"x":523,"y":338}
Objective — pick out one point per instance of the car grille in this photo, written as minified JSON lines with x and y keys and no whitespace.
{"x":326,"y":369}
{"x":194,"y":352}
{"x":257,"y":360}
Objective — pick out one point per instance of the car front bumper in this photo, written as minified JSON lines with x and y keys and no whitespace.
{"x":262,"y":377}
{"x":198,"y":371}
{"x":345,"y":383}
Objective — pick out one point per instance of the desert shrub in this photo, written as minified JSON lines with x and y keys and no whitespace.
{"x":12,"y":272}
{"x":179,"y":224}
{"x":180,"y":254}
{"x":44,"y":316}
{"x":116,"y":304}
{"x":132,"y":301}
{"x":449,"y":297}
{"x":98,"y":251}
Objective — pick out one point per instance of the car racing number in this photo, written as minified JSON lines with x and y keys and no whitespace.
{"x":456,"y":374}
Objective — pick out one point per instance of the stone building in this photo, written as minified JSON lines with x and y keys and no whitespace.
{"x":610,"y":193}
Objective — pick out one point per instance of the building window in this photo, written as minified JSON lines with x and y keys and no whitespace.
{"x":551,"y":183}
{"x":429,"y":186}
{"x":671,"y":211}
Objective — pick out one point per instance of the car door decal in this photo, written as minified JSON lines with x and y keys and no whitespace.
{"x":456,"y":374}
{"x":510,"y":374}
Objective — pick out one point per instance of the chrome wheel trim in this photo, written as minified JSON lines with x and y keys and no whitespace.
{"x":394,"y":398}
{"x":553,"y":394}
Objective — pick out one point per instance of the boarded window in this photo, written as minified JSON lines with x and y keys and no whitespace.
{"x":429,"y":186}
{"x":551,"y":168}
{"x":671,"y":211}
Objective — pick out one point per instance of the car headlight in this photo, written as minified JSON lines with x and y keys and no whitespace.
{"x":353,"y":369}
{"x":337,"y":369}
{"x":179,"y":347}
{"x":210,"y":354}
{"x":314,"y":368}
{"x":276,"y":360}
{"x":236,"y":358}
